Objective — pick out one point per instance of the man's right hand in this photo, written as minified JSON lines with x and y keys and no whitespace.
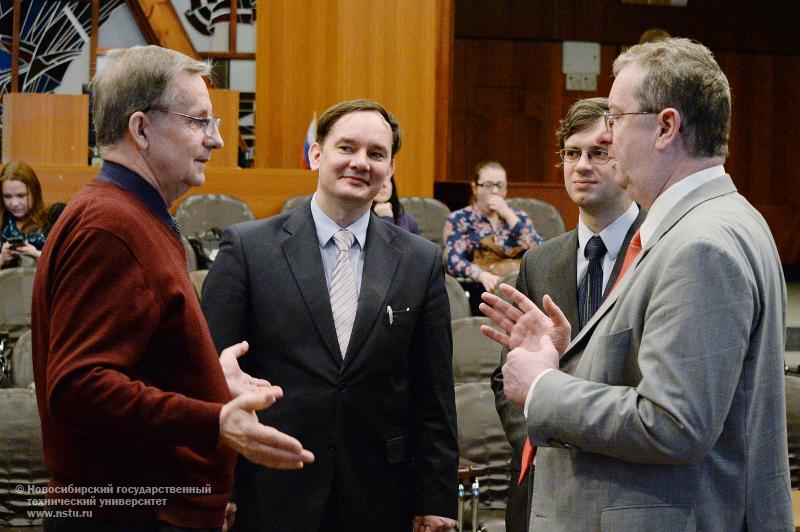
{"x":240,"y":430}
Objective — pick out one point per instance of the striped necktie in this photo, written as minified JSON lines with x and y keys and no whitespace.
{"x":590,"y":292}
{"x":343,"y":293}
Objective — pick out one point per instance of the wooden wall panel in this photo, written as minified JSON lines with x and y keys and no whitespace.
{"x":509,"y":91}
{"x":46,"y":128}
{"x":507,"y":100}
{"x":225,"y":104}
{"x":314,"y":54}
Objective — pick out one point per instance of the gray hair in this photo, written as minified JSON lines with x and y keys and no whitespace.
{"x":682,"y":74}
{"x":135,"y":79}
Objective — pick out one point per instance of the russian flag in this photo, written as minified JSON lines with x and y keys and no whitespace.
{"x":311,"y":136}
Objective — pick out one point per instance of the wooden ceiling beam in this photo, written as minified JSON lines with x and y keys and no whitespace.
{"x":159,"y":24}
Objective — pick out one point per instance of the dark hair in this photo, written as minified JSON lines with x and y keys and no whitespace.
{"x":21,"y":171}
{"x":581,"y":115}
{"x":394,"y":201}
{"x":485,"y":164}
{"x":335,"y":112}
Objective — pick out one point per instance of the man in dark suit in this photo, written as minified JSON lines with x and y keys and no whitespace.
{"x":559,"y":267}
{"x":350,"y":314}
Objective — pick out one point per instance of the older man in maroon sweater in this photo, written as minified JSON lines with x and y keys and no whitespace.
{"x":141,"y":420}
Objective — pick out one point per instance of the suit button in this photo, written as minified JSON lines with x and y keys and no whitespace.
{"x":342,"y":388}
{"x":332,"y":447}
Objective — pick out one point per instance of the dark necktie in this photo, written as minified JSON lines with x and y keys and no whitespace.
{"x":590,"y":292}
{"x":175,"y":228}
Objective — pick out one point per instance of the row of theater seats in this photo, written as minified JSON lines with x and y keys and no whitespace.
{"x":431,"y":214}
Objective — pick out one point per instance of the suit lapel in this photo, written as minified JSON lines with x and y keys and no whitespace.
{"x":716,"y":187}
{"x":380,"y":263}
{"x":301,"y":248}
{"x":564,"y":288}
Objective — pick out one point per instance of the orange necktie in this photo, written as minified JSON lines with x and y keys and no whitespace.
{"x":635,"y":247}
{"x":528,"y":452}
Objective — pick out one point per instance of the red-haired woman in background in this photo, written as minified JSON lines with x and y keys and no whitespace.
{"x":26,"y":221}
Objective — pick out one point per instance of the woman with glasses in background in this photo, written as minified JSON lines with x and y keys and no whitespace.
{"x":486,"y":239}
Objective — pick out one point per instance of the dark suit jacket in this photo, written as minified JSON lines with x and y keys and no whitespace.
{"x":381,"y":423}
{"x":548,"y":268}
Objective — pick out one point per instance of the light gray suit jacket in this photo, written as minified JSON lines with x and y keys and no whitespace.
{"x":669,"y":411}
{"x":544,"y":270}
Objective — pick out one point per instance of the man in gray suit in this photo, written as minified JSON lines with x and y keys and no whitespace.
{"x":667,"y":411}
{"x":606,"y":215}
{"x":350,"y":314}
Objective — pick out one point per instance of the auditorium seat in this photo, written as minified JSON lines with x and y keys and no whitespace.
{"x":481,"y":439}
{"x":430,"y":215}
{"x":198,"y":278}
{"x":459,"y":300}
{"x":294,"y":202}
{"x":545,"y":217}
{"x":474,"y":355}
{"x":200,"y":213}
{"x":16,"y":287}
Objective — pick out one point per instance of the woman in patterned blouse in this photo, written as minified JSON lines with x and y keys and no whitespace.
{"x":23,"y":212}
{"x":466,"y":230}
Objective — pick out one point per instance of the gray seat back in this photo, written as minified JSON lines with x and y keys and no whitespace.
{"x":16,"y":287}
{"x":545,"y":217}
{"x":197,"y":214}
{"x":459,"y":300}
{"x":430,"y":215}
{"x":475,"y":356}
{"x":294,"y":202}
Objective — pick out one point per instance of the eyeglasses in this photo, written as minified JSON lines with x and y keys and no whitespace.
{"x":210,"y":123}
{"x":573,"y":155}
{"x":610,"y":117}
{"x":489,"y":186}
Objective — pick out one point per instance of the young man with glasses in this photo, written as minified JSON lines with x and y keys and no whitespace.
{"x":139,"y":415}
{"x":488,"y":226}
{"x":668,"y":410}
{"x":561,"y":266}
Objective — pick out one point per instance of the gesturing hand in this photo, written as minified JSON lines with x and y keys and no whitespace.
{"x":524,"y":326}
{"x":238,"y":381}
{"x":240,"y":430}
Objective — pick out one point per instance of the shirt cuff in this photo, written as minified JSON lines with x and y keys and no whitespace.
{"x":530,"y":390}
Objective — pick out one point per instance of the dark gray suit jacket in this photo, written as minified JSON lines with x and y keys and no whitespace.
{"x":548,"y":268}
{"x":381,"y":423}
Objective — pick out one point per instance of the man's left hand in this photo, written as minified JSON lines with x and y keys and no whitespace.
{"x":238,"y":381}
{"x":433,"y":523}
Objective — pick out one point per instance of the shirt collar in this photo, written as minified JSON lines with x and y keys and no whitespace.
{"x":670,"y":198}
{"x":132,"y":182}
{"x":326,"y":227}
{"x":614,"y":233}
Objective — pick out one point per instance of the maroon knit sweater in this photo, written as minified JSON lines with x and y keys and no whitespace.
{"x":128,"y":382}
